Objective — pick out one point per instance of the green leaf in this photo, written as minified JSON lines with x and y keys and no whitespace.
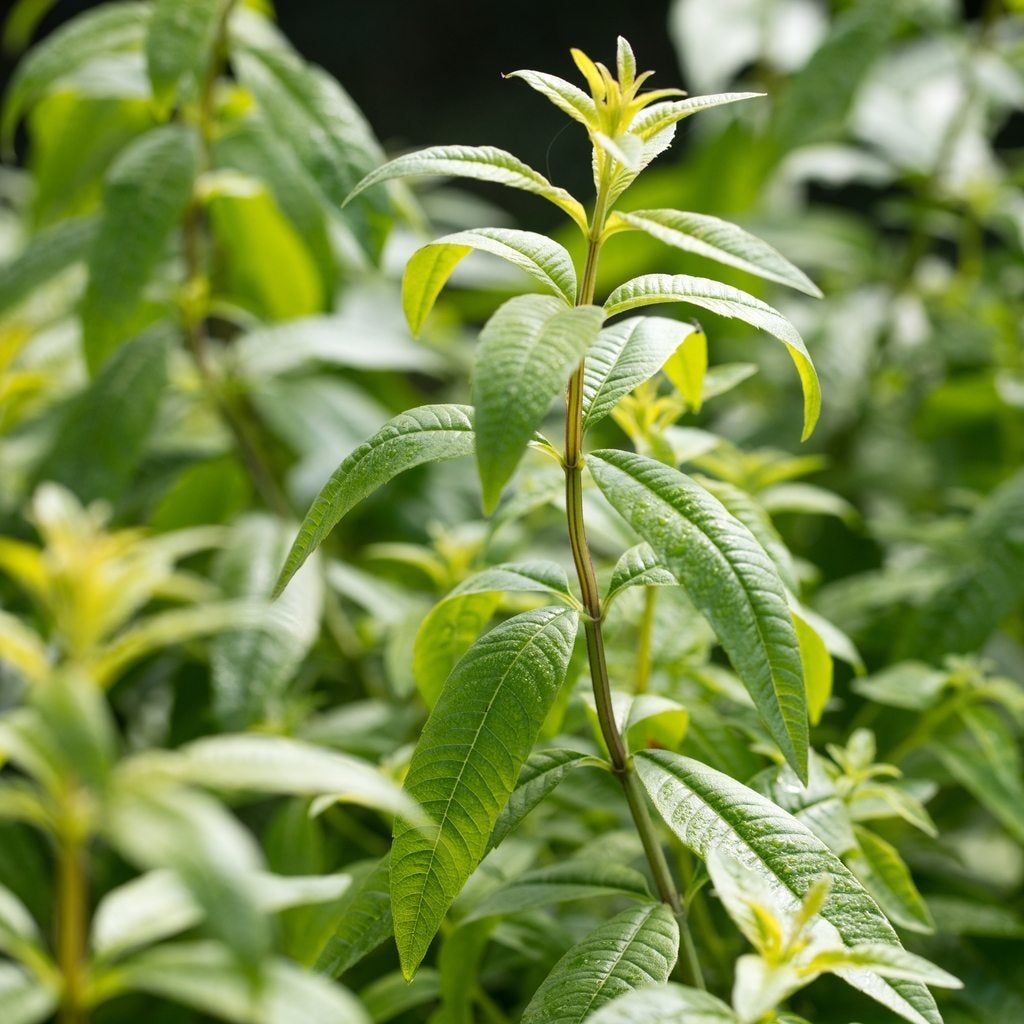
{"x":179,"y":45}
{"x":146,"y":194}
{"x":467,"y":763}
{"x":638,"y":567}
{"x":818,"y":667}
{"x":430,"y":433}
{"x":709,"y":812}
{"x":636,"y":948}
{"x":24,"y":999}
{"x":665,"y":1004}
{"x":482,"y":163}
{"x":981,"y":754}
{"x":885,"y":875}
{"x":363,"y":921}
{"x":276,"y":764}
{"x":47,"y":254}
{"x":460,"y":617}
{"x":429,"y":268}
{"x":543,"y":771}
{"x":562,"y":883}
{"x":569,"y":98}
{"x":717,"y":240}
{"x":623,"y":357}
{"x":526,"y":352}
{"x":728,"y":302}
{"x":22,"y":647}
{"x":204,"y":976}
{"x":655,"y":119}
{"x":728,"y":577}
{"x":18,"y":930}
{"x":251,"y":670}
{"x":104,"y":430}
{"x":687,"y":367}
{"x":111,"y":29}
{"x":308,"y":110}
{"x":390,"y":996}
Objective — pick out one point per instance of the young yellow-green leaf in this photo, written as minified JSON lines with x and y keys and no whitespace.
{"x":728,"y":302}
{"x":717,"y":240}
{"x":482,"y":163}
{"x":687,"y":367}
{"x":22,"y":647}
{"x":570,"y":99}
{"x":653,"y":120}
{"x":665,"y":1004}
{"x":429,"y":268}
{"x":561,"y":883}
{"x":526,"y":352}
{"x":623,"y":357}
{"x":179,"y":45}
{"x":638,"y":567}
{"x":710,"y":812}
{"x":429,"y":433}
{"x":886,"y":876}
{"x":729,"y":578}
{"x":817,"y":663}
{"x":543,"y":771}
{"x":636,"y":948}
{"x":144,"y":200}
{"x":467,"y":763}
{"x":48,"y":253}
{"x":111,"y":29}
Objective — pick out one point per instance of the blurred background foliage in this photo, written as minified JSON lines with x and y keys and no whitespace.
{"x":193,"y":334}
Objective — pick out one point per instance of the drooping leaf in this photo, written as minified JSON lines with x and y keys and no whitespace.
{"x":111,"y":29}
{"x":561,"y":883}
{"x":179,"y":46}
{"x":146,"y":193}
{"x":429,"y":268}
{"x":709,"y":812}
{"x":467,"y":763}
{"x":45,"y":255}
{"x":569,"y":98}
{"x":634,"y":949}
{"x":727,"y":575}
{"x":430,"y":433}
{"x":718,"y":240}
{"x":543,"y":771}
{"x":623,"y":357}
{"x":526,"y":351}
{"x":885,"y":875}
{"x":102,"y":435}
{"x":728,"y":302}
{"x":482,"y":163}
{"x":251,"y":670}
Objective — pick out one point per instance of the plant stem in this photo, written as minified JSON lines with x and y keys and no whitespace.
{"x":71,"y":924}
{"x":573,"y":462}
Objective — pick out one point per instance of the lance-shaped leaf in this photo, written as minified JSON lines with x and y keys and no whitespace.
{"x":48,"y":253}
{"x":543,"y":771}
{"x":569,"y":98}
{"x":638,"y":567}
{"x":717,"y":240}
{"x":653,"y":120}
{"x":429,"y":433}
{"x":710,"y":812}
{"x":665,"y":1004}
{"x":482,"y":163}
{"x":363,"y":919}
{"x":145,"y":197}
{"x":111,"y":29}
{"x":179,"y":45}
{"x":636,"y":948}
{"x":467,"y":763}
{"x":526,"y":352}
{"x":729,"y":578}
{"x":461,"y":615}
{"x":728,"y":302}
{"x":562,"y":883}
{"x":429,"y":268}
{"x":623,"y":357}
{"x":886,"y":876}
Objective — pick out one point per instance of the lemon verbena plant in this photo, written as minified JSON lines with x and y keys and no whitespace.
{"x":475,"y":771}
